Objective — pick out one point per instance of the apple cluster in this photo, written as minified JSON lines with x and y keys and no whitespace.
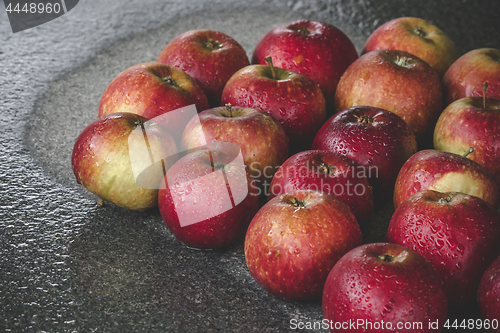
{"x":295,"y":150}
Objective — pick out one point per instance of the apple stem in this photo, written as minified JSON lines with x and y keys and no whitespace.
{"x":326,"y":169}
{"x":485,"y":86}
{"x":213,"y":44}
{"x":140,"y":122}
{"x":468,"y":152}
{"x":168,"y":80}
{"x":447,"y":199}
{"x":294,"y":201}
{"x":420,"y":32}
{"x":401,"y":61}
{"x":229,"y":108}
{"x":269,"y":61}
{"x":386,"y":258}
{"x":364,"y":119}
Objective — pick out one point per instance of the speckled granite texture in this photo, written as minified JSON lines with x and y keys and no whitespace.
{"x":67,"y":265}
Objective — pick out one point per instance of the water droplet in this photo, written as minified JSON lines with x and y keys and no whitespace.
{"x":387,"y":309}
{"x":451,"y":243}
{"x":439,"y":243}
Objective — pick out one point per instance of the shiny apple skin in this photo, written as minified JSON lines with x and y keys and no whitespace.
{"x":101,"y":159}
{"x":222,"y":228}
{"x":315,"y":49}
{"x":294,"y":100}
{"x":488,"y":294}
{"x":384,"y":283}
{"x":444,"y":172}
{"x":381,"y":146}
{"x":329,"y":172}
{"x":290,"y":249}
{"x":465,"y":123}
{"x":262,"y":139}
{"x":150,"y":90}
{"x":418,"y":37}
{"x":208,"y":56}
{"x":457,"y":233}
{"x":381,"y":78}
{"x":466,"y":76}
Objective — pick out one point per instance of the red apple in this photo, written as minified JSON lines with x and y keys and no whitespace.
{"x":208,"y":56}
{"x":262,"y":139}
{"x":111,"y":160}
{"x":329,"y":172}
{"x":291,"y":98}
{"x":317,"y":50}
{"x":396,"y":81}
{"x":295,"y":239}
{"x":376,"y":139}
{"x":383,"y":287}
{"x":472,"y":122}
{"x":488,"y":296}
{"x":418,"y":37}
{"x":444,"y":172}
{"x":152,"y":89}
{"x":209,"y":197}
{"x":465,"y":76}
{"x":456,"y":232}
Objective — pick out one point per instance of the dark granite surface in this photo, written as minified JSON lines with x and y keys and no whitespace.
{"x":67,"y":265}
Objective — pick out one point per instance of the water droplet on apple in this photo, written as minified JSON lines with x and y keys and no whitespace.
{"x":451,"y":243}
{"x":470,"y":236}
{"x":439,"y":243}
{"x":386,"y":309}
{"x":434,"y":227}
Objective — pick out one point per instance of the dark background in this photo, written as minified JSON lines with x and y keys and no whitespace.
{"x":67,"y":265}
